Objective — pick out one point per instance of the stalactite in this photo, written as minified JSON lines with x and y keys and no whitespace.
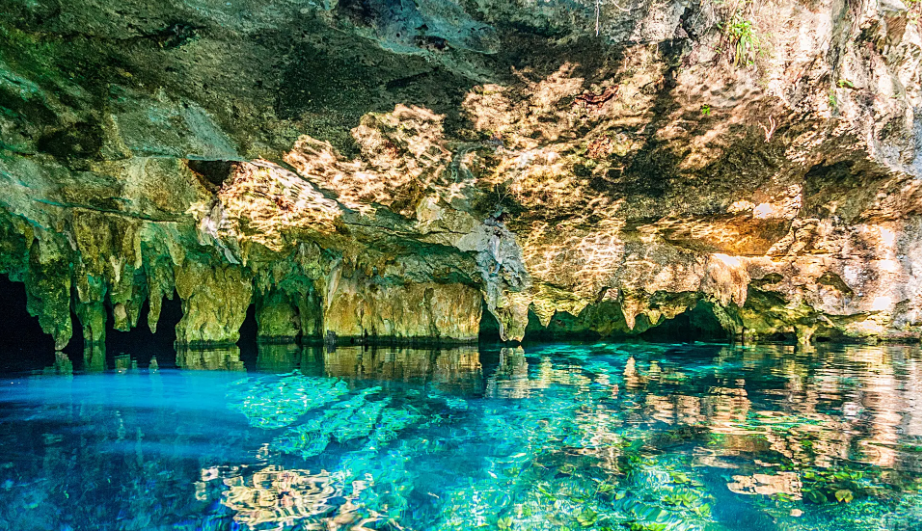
{"x":158,"y":270}
{"x":48,"y":286}
{"x":90,"y":293}
{"x":214,"y":302}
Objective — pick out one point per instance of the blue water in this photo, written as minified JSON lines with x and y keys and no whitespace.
{"x":635,"y":437}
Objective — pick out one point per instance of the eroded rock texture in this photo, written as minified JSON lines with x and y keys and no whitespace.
{"x":368,"y":170}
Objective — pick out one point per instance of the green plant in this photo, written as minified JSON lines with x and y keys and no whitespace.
{"x":587,"y":517}
{"x":842,"y":485}
{"x":637,"y":526}
{"x":743,"y":39}
{"x":706,"y":110}
{"x":844,"y":495}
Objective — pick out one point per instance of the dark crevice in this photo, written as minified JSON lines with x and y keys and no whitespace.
{"x":23,"y":344}
{"x":215,"y":172}
{"x":139,"y":342}
{"x":696,"y":324}
{"x":607,"y":323}
{"x":489,"y":326}
{"x":249,"y":330}
{"x":81,"y":141}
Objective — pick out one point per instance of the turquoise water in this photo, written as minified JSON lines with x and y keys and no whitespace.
{"x":604,"y":436}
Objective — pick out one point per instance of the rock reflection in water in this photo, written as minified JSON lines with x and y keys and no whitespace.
{"x":455,"y":370}
{"x":545,"y":437}
{"x":510,"y":380}
{"x":853,"y":406}
{"x":209,"y":359}
{"x":278,"y":357}
{"x":279,"y":496}
{"x":62,"y":365}
{"x":94,"y":357}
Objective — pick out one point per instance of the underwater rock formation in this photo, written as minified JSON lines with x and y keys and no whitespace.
{"x":363,"y":171}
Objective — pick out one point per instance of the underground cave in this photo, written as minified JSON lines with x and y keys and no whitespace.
{"x":441,"y":265}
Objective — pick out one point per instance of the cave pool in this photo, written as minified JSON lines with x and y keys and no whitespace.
{"x":588,"y":436}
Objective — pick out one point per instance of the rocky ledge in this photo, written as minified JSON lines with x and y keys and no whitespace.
{"x":441,"y":169}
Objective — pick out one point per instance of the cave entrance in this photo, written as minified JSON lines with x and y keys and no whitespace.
{"x":249,"y":335}
{"x":23,"y":344}
{"x":489,"y":326}
{"x":139,"y":343}
{"x":696,"y":324}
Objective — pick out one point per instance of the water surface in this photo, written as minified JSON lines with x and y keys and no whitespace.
{"x":635,"y":437}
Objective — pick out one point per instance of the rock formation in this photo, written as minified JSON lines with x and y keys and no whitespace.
{"x":371,"y":170}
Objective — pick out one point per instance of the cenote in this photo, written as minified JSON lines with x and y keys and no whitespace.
{"x":596,"y":436}
{"x":431,"y":265}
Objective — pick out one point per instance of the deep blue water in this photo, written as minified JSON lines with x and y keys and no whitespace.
{"x":634,"y":437}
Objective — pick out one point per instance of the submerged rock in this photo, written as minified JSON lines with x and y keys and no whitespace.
{"x":275,"y":402}
{"x":380,"y":172}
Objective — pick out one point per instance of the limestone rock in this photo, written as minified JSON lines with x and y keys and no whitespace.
{"x":277,"y":318}
{"x":214,"y":300}
{"x":379,"y":170}
{"x":358,"y":309}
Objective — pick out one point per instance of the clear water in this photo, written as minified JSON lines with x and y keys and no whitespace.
{"x":604,"y":436}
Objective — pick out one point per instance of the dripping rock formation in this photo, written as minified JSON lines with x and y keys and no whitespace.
{"x":371,"y":170}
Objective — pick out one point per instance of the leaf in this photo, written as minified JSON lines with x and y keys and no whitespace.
{"x":844,"y":495}
{"x":815,"y":496}
{"x":587,"y":517}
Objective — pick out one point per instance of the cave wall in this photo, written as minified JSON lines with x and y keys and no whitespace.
{"x":362,"y":170}
{"x":356,"y":309}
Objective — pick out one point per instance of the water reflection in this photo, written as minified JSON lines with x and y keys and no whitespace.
{"x":62,"y":365}
{"x":209,"y":359}
{"x":546,"y":437}
{"x":455,"y":370}
{"x":279,"y":496}
{"x":510,"y":379}
{"x":279,"y":357}
{"x":94,"y":358}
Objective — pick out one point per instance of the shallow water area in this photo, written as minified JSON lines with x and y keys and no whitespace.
{"x":555,"y":436}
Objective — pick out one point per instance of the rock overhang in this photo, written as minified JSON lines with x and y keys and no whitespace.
{"x":611,"y":165}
